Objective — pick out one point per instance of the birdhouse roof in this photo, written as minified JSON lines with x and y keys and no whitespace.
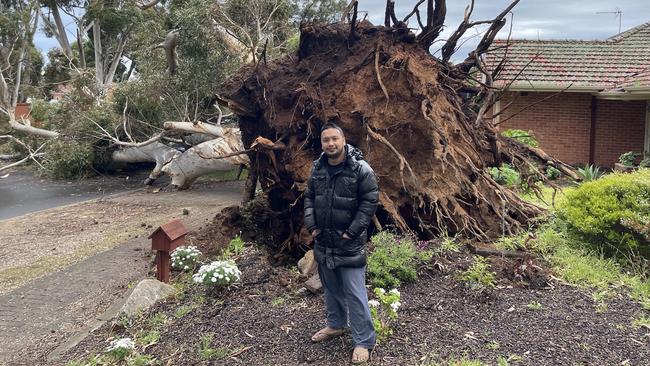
{"x":173,"y":229}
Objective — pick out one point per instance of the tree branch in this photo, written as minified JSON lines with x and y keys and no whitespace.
{"x":32,"y":153}
{"x":415,"y":9}
{"x":194,"y":127}
{"x":145,"y":6}
{"x":435,"y":22}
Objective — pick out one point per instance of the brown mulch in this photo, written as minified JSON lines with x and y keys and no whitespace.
{"x":269,"y":318}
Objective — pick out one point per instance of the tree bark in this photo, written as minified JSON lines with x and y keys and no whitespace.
{"x":156,"y":152}
{"x":195,"y":127}
{"x":203,"y":159}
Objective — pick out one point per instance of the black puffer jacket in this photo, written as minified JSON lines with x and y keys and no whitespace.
{"x":344,"y":203}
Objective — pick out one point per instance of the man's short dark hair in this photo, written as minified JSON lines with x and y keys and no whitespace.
{"x":333,"y":125}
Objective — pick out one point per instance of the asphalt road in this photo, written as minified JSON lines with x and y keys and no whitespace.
{"x":23,"y":191}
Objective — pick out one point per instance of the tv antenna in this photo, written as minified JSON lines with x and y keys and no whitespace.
{"x":617,"y":13}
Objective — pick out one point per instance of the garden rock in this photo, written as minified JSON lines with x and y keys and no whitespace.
{"x":307,"y":264}
{"x":620,"y":168}
{"x":313,"y":284}
{"x":145,"y":294}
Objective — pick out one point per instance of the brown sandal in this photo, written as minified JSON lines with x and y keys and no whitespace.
{"x":360,"y":356}
{"x":326,"y":334}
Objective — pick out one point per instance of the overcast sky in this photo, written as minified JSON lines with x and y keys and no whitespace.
{"x":533,"y":19}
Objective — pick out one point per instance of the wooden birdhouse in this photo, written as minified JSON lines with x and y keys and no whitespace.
{"x":168,"y":236}
{"x":164,"y":240}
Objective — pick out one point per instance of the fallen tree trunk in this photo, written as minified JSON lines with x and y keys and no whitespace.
{"x":402,"y":107}
{"x":204,"y":158}
{"x":156,"y":152}
{"x":184,"y":167}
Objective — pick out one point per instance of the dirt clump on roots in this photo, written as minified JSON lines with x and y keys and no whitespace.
{"x":402,"y":107}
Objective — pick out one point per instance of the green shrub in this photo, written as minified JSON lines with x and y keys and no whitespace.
{"x":394,"y":259}
{"x":628,"y":158}
{"x":552,"y":173}
{"x":505,"y":175}
{"x":521,"y":136}
{"x":589,"y":173}
{"x":612,"y":213}
{"x":68,"y":159}
{"x":42,"y":110}
{"x":478,"y":277}
{"x":645,"y":163}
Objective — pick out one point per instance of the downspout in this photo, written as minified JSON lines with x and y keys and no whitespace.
{"x":646,"y":150}
{"x":592,"y":130}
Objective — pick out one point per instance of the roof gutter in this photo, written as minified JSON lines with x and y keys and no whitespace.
{"x":623,"y":95}
{"x":554,"y":88}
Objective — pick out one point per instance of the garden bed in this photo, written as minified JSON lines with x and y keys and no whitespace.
{"x":269,"y":318}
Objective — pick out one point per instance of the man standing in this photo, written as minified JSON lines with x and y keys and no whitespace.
{"x":340,"y":200}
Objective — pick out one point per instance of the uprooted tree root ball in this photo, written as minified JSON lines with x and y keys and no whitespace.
{"x":403,"y":108}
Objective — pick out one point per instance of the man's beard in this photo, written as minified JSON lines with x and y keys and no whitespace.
{"x":335,"y":155}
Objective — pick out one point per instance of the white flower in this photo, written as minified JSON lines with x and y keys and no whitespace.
{"x":381,"y":291}
{"x":394,"y":292}
{"x":186,"y":268}
{"x":125,"y":343}
{"x":214,"y":279}
{"x":395,"y":305}
{"x":373,"y":303}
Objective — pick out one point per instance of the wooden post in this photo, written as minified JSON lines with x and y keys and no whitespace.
{"x":163,"y":266}
{"x":164,"y":240}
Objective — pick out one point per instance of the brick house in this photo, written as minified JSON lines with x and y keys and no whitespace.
{"x":585,"y":101}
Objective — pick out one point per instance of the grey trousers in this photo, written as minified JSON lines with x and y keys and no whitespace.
{"x":346,"y":299}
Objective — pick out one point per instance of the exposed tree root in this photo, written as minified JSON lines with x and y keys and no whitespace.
{"x":411,"y":118}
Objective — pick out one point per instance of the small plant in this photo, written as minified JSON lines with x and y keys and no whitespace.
{"x":465,"y":362}
{"x":91,"y":361}
{"x":534,"y":305}
{"x":521,"y":136}
{"x":184,"y":257}
{"x":493,"y":345}
{"x":206,"y":352}
{"x":157,"y":320}
{"x":600,"y":298}
{"x":641,"y":321}
{"x":478,"y":276}
{"x":394,"y":259}
{"x":141,"y":360}
{"x":120,"y":348}
{"x":218,"y":273}
{"x":505,"y":175}
{"x":552,"y":172}
{"x":150,"y":337}
{"x":628,"y":159}
{"x":278,"y":301}
{"x":589,"y":173}
{"x":123,"y":320}
{"x":447,"y":246}
{"x":235,"y":247}
{"x":384,"y":311}
{"x":183,"y":310}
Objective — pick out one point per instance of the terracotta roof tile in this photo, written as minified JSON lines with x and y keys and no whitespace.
{"x":601,"y":64}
